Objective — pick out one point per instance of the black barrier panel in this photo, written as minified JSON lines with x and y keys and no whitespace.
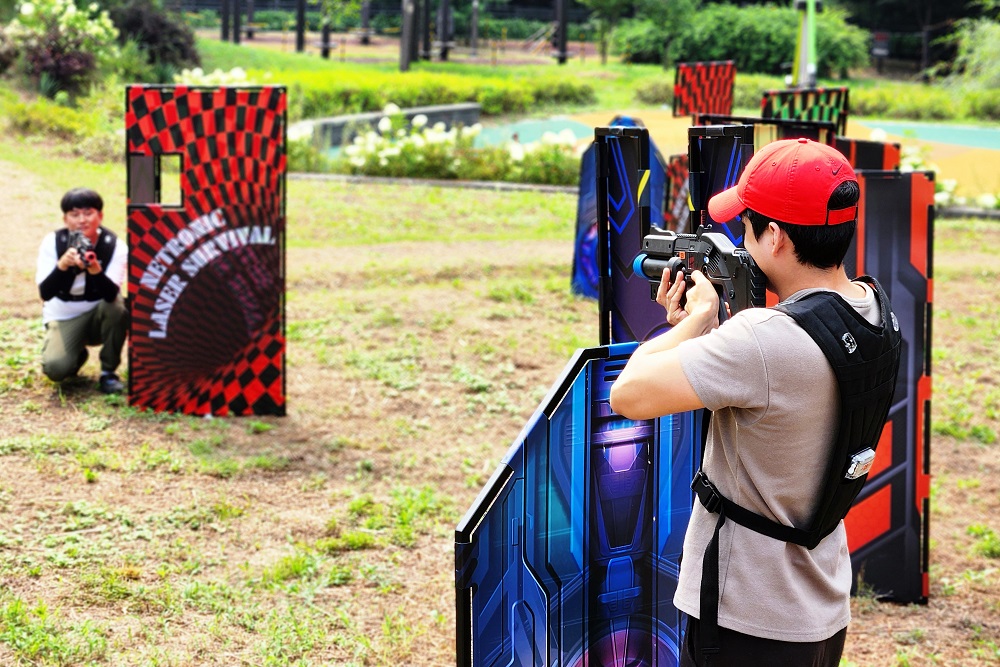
{"x":874,"y":155}
{"x":888,"y":526}
{"x":766,"y":130}
{"x":206,"y":231}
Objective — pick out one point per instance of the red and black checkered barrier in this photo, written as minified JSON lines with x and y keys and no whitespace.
{"x":704,"y":87}
{"x":817,"y":104}
{"x":207,"y":274}
{"x":677,"y":212}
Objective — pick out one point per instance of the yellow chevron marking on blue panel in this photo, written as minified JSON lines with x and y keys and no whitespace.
{"x":641,"y":193}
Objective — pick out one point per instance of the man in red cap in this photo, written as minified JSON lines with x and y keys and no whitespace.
{"x":775,"y":403}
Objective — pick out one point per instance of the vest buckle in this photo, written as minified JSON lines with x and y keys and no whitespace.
{"x":706,"y":491}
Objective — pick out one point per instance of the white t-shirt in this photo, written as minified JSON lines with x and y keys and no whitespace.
{"x":57,"y":310}
{"x":775,"y":410}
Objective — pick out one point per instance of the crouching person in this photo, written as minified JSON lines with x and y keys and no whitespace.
{"x":80,"y":271}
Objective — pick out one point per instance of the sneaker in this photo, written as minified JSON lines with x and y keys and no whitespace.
{"x":110,"y":384}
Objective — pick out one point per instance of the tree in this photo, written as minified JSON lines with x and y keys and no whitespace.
{"x":932,"y":19}
{"x":606,"y":14}
{"x":670,"y":17}
{"x":977,"y":64}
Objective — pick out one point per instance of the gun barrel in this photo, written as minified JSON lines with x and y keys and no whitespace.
{"x":651,"y":268}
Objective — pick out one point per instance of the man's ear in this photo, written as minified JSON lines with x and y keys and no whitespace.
{"x":779,"y":240}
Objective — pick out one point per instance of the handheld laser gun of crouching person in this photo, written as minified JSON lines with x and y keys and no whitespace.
{"x":84,"y":248}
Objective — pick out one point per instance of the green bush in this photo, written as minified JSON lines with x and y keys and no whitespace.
{"x":638,"y":41}
{"x":50,"y":119}
{"x":983,"y":104}
{"x":759,"y":39}
{"x":498,"y":98}
{"x":62,"y":48}
{"x":167,"y":41}
{"x":8,"y":51}
{"x":274,"y":19}
{"x":748,"y":90}
{"x":656,"y":91}
{"x":203,"y":18}
{"x":910,"y":102}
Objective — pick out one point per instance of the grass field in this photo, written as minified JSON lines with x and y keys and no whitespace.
{"x":424,"y":327}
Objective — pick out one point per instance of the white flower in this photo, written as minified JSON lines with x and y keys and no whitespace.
{"x":942,"y":198}
{"x":567,"y":137}
{"x":878,"y":134}
{"x":401,"y":132}
{"x":27,"y":9}
{"x":383,"y":162}
{"x":390,"y":109}
{"x":419,"y":121}
{"x":357,"y":161}
{"x":986,"y":200}
{"x":418,"y":141}
{"x":516,"y":151}
{"x":439,"y":127}
{"x":385,"y":124}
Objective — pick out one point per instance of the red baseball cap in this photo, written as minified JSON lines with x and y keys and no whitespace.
{"x":789,"y":180}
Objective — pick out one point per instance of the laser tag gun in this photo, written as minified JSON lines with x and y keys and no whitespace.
{"x":735,"y":275}
{"x":84,"y":248}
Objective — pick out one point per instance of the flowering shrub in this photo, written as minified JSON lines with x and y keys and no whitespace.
{"x":62,"y":47}
{"x":237,"y":76}
{"x":420,"y":150}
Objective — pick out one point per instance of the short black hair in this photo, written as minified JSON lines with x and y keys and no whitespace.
{"x":81,"y":198}
{"x":822,"y":246}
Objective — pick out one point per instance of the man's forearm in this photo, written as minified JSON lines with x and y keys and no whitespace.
{"x":54,"y":283}
{"x":688,"y":328}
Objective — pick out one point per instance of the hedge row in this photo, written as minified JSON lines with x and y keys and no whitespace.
{"x":317,"y":94}
{"x":888,"y":100}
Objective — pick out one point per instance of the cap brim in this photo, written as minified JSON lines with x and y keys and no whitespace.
{"x":726,"y":205}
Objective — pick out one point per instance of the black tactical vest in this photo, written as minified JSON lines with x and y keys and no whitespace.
{"x":104,"y":249}
{"x":865,"y":360}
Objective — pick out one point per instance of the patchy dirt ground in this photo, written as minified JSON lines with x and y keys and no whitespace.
{"x":325,"y":537}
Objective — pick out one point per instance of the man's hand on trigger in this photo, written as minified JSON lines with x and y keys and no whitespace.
{"x":69,"y":259}
{"x":669,"y":296}
{"x":703,"y":301}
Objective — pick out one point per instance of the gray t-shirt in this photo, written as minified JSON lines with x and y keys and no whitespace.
{"x":775,"y":410}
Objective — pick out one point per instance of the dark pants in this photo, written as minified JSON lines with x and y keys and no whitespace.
{"x":65,"y":346}
{"x":740,"y":650}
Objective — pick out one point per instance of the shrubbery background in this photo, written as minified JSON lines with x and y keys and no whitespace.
{"x":64,"y":68}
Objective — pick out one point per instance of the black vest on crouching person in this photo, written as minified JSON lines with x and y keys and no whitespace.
{"x":865,"y":360}
{"x":107,"y":241}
